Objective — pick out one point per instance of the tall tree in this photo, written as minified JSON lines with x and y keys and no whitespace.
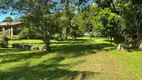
{"x":38,"y":12}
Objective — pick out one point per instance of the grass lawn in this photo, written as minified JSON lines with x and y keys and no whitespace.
{"x":81,"y":59}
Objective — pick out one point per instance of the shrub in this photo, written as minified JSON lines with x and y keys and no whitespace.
{"x":27,"y":33}
{"x":4,"y":42}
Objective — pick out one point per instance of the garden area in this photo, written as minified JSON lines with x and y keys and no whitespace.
{"x":70,"y":39}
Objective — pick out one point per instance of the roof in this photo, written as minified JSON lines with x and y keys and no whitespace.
{"x":10,"y":23}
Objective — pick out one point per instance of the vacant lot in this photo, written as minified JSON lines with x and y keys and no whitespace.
{"x":81,"y":59}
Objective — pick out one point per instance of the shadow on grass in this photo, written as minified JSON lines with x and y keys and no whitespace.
{"x":8,"y":50}
{"x":77,"y":50}
{"x":71,"y":41}
{"x":10,"y":55}
{"x":126,"y":47}
{"x":45,"y":71}
{"x":110,"y":41}
{"x":13,"y":55}
{"x":44,"y":74}
{"x":49,"y":69}
{"x":130,"y":49}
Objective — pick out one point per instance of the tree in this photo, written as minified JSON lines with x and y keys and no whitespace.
{"x":8,"y":19}
{"x":38,"y":13}
{"x":132,"y":24}
{"x":43,"y":15}
{"x":77,"y":24}
{"x":127,"y":27}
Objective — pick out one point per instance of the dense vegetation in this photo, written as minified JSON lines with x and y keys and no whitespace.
{"x":118,"y":19}
{"x":81,"y":37}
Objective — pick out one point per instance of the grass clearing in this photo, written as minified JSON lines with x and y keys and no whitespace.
{"x":81,"y":59}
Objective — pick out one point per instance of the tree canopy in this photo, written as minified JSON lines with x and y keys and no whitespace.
{"x":8,"y":19}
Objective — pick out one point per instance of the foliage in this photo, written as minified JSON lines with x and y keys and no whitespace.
{"x":132,"y":25}
{"x":8,"y":19}
{"x":4,"y":42}
{"x":116,"y":21}
{"x":108,"y":22}
{"x":64,"y":18}
{"x":28,"y":33}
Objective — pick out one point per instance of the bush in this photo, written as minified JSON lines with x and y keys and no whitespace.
{"x":27,"y":33}
{"x":4,"y":42}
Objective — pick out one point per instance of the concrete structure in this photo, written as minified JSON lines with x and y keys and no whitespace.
{"x":10,"y":26}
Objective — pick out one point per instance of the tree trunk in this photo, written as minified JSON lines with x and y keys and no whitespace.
{"x":139,"y":44}
{"x":134,"y":43}
{"x":67,"y":33}
{"x":47,"y":45}
{"x":120,"y":47}
{"x":140,"y":47}
{"x":66,"y":36}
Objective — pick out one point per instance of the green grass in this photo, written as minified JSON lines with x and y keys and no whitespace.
{"x":81,"y":59}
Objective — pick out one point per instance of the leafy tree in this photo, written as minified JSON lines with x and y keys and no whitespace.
{"x":131,"y":12}
{"x":38,"y":13}
{"x":126,"y":26}
{"x":8,"y":19}
{"x":77,"y":23}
